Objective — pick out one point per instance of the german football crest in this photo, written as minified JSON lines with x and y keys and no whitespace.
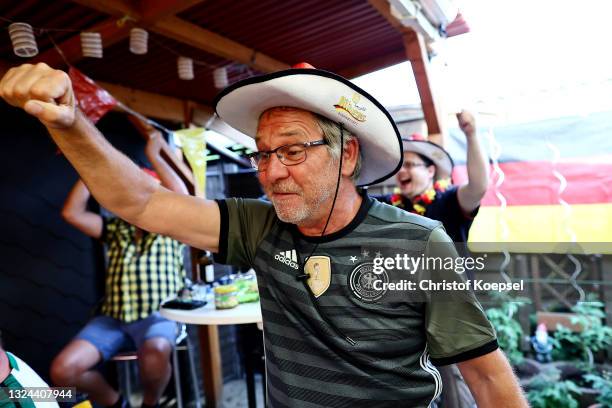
{"x":319,"y":270}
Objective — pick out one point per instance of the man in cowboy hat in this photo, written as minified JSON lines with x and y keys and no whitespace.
{"x":424,"y":181}
{"x":319,"y":137}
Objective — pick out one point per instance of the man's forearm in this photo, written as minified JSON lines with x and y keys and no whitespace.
{"x":478,"y":176}
{"x":477,"y":165}
{"x":167,"y":175}
{"x":501,"y":391}
{"x":116,"y":182}
{"x":492,"y":382}
{"x":76,"y":202}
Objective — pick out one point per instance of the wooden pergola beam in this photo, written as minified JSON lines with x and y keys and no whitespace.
{"x":143,"y":11}
{"x":153,"y":10}
{"x":374,"y":64}
{"x":383,"y":8}
{"x":417,"y":55}
{"x":113,"y":7}
{"x":206,"y":40}
{"x":156,"y":105}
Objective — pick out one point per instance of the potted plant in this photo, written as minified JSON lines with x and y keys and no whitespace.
{"x":593,"y":336}
{"x":546,"y":390}
{"x":603,"y":384}
{"x":509,"y":331}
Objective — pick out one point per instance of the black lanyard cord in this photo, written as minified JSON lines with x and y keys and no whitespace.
{"x":303,"y":276}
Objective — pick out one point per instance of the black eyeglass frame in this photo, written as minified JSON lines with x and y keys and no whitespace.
{"x":252,"y":156}
{"x":409,"y":165}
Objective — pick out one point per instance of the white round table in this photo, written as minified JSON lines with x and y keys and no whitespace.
{"x":208,"y":315}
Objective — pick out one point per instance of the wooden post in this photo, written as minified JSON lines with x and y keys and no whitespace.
{"x":602,"y":268}
{"x":535,"y":274}
{"x":210,"y":357}
{"x":417,"y":54}
{"x":521,"y":271}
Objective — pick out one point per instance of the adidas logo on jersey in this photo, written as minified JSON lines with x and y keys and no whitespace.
{"x":288,"y":258}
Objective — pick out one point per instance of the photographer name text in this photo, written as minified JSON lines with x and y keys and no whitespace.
{"x":467,"y":285}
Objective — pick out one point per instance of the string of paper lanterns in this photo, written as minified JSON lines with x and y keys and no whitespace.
{"x":23,"y":39}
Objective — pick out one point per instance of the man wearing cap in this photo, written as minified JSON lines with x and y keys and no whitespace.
{"x":424,"y":181}
{"x":319,"y":136}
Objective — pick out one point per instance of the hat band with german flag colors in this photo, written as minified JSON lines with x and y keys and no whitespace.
{"x":240,"y":105}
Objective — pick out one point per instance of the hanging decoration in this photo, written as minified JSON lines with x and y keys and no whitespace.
{"x":91,"y":45}
{"x":565,"y":222}
{"x":185,"y":68}
{"x":22,"y":37}
{"x":94,"y":101}
{"x":220,"y":78}
{"x":499,"y":177}
{"x":139,"y":41}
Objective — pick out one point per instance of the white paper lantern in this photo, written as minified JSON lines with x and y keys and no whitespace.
{"x":138,"y":41}
{"x":185,"y":68}
{"x":22,"y":37}
{"x":220,"y":78}
{"x":91,"y":45}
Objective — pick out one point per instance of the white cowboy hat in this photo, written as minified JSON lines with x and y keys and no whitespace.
{"x":241,"y":104}
{"x":435,"y":153}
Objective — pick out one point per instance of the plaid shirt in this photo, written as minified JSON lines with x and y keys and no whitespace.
{"x":140,"y":274}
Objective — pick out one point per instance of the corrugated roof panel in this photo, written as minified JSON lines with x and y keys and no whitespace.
{"x":316,"y":31}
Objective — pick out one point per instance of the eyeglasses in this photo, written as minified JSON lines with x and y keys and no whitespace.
{"x":408,"y":165}
{"x":289,"y":155}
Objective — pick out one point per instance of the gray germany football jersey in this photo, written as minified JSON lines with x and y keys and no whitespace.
{"x":333,"y":340}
